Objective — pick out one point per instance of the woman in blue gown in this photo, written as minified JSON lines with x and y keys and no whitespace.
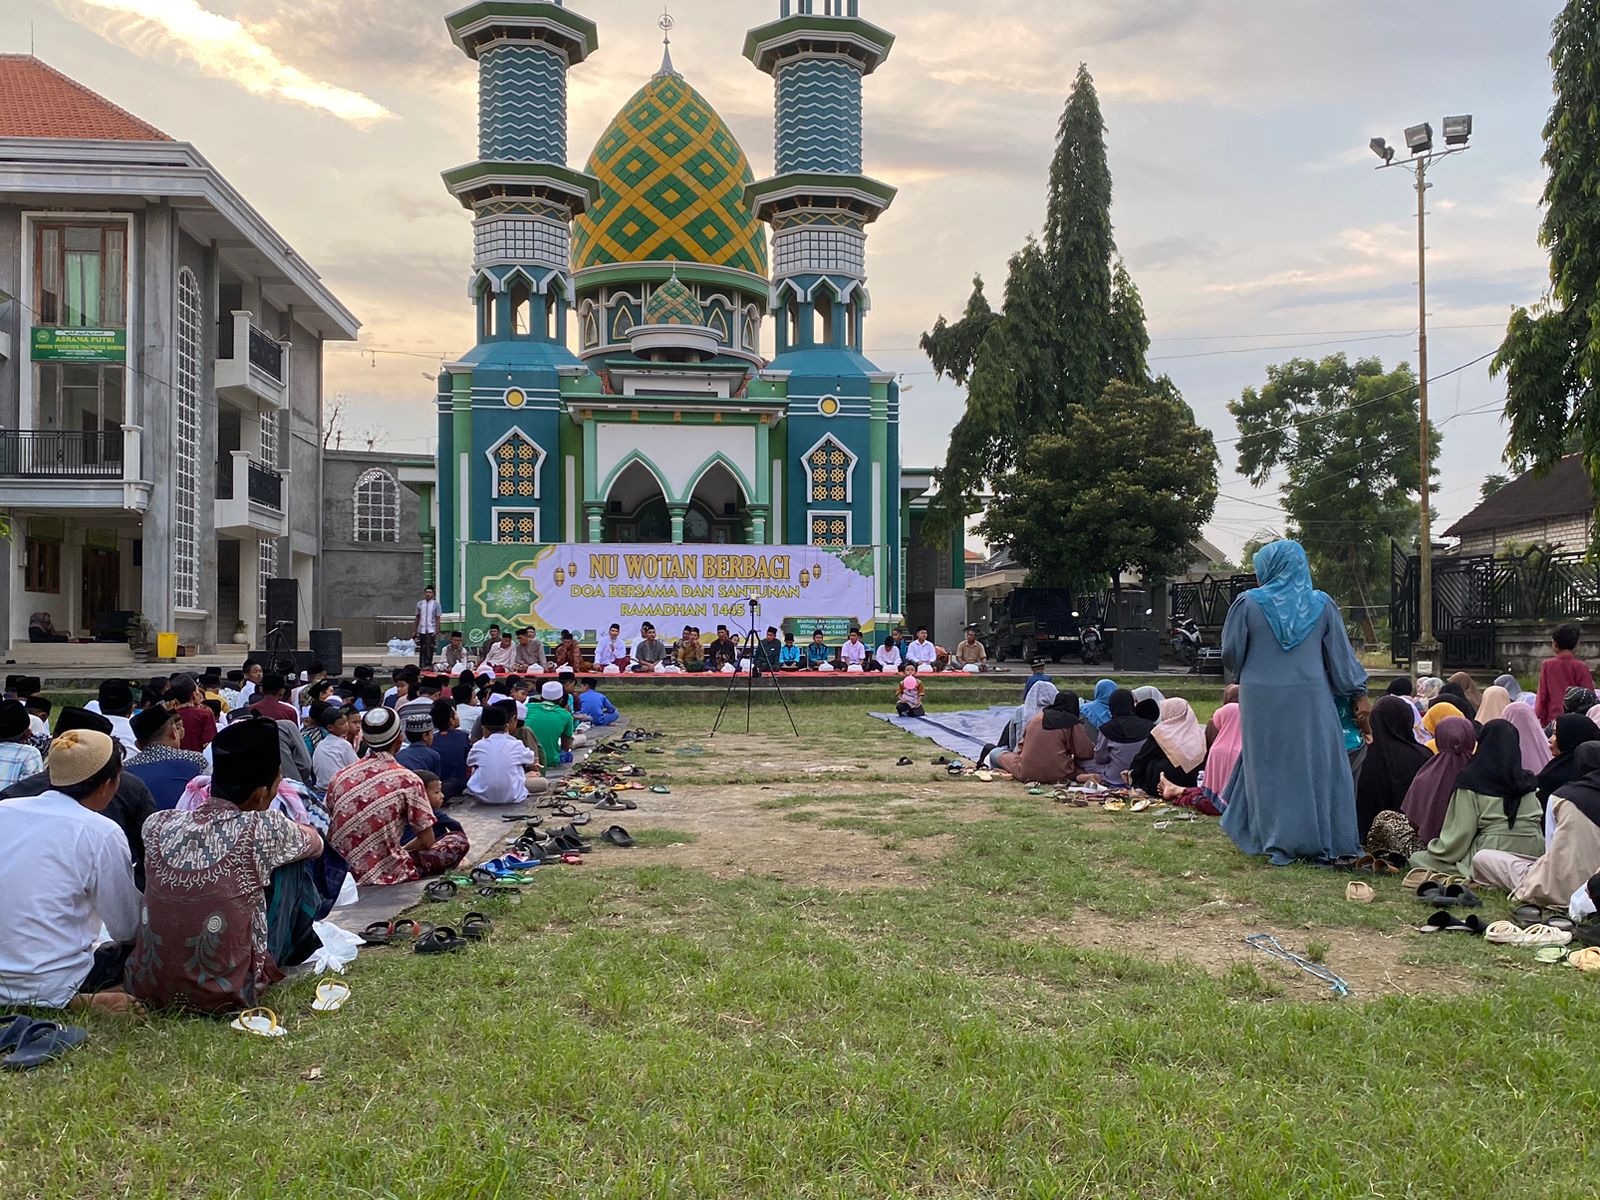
{"x":1292,"y":796}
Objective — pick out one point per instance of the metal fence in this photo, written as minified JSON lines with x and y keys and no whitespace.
{"x":44,"y":454}
{"x":1474,"y":594}
{"x":1207,"y":600}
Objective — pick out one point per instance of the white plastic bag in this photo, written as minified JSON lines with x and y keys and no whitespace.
{"x":349,"y":893}
{"x":338,"y":950}
{"x":402,"y":647}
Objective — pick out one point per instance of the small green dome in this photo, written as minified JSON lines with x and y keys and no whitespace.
{"x":673,"y":304}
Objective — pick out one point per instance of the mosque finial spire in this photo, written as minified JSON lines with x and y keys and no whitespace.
{"x":665,"y":23}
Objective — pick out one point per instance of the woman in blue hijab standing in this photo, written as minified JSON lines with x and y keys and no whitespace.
{"x":1292,"y":796}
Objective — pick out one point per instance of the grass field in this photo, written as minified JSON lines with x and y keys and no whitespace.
{"x":821,"y":975}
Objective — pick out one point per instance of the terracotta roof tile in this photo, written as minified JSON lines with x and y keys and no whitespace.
{"x":1564,"y":492}
{"x":38,"y":101}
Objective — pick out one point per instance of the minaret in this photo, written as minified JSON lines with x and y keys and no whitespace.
{"x":499,"y":404}
{"x":819,"y":203}
{"x":521,"y":192}
{"x":842,"y":485}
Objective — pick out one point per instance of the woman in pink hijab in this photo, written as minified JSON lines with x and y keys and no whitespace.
{"x":1225,"y":750}
{"x":1535,"y":745}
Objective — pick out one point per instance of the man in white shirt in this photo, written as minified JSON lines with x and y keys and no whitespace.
{"x":611,"y":651}
{"x":502,"y":656}
{"x":426,"y":629}
{"x":922,"y":652}
{"x":116,"y":706}
{"x":75,"y":875}
{"x":336,"y":751}
{"x":853,"y":654}
{"x":502,"y":769}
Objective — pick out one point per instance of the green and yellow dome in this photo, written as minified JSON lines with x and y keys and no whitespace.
{"x":672,"y":180}
{"x":674,"y":304}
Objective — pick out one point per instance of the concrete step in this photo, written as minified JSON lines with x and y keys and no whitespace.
{"x":46,"y":655}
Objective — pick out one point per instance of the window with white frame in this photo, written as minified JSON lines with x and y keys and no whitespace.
{"x":516,"y":460}
{"x":266,"y":569}
{"x":830,"y":530}
{"x":516,"y":525}
{"x":377,"y":507}
{"x":186,"y":475}
{"x":269,"y":440}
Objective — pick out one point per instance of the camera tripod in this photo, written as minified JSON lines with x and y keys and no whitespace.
{"x":749,"y":650}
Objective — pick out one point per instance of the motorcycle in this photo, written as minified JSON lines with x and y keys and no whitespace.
{"x":1092,"y":641}
{"x":1186,"y":643}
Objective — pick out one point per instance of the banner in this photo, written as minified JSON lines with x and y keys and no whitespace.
{"x":80,"y":345}
{"x":586,"y":587}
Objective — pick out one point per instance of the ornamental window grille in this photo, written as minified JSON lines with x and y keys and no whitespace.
{"x":829,"y":467}
{"x":186,"y":474}
{"x":377,"y":507}
{"x":516,"y":461}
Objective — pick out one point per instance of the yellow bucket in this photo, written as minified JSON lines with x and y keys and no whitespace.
{"x":166,"y":645}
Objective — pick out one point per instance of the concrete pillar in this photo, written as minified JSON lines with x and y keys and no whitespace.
{"x":678,"y":513}
{"x":594,"y":518}
{"x":250,"y":586}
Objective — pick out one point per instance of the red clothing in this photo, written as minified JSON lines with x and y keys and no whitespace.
{"x":203,"y":939}
{"x":199,"y":727}
{"x":370,"y":804}
{"x":277,"y":710}
{"x":1555,"y":677}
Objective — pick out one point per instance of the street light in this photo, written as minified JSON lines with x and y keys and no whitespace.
{"x":1419,"y":140}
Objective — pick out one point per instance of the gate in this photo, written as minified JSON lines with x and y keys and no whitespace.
{"x":1207,"y":600}
{"x":1465,"y":607}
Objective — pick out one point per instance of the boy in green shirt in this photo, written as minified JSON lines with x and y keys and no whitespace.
{"x":551,"y":723}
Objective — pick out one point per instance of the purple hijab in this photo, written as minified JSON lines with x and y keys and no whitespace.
{"x":1428,"y":798}
{"x":1535,"y":746}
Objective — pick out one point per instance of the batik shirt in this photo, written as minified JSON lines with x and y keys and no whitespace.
{"x":370,"y":804}
{"x":202,"y":940}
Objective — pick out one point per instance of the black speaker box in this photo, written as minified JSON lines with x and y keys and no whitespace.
{"x":283,"y":609}
{"x":327,"y":648}
{"x":1137,"y":651}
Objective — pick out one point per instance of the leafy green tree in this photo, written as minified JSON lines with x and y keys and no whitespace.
{"x":1492,"y":484}
{"x":1347,"y":435}
{"x":1126,"y":485}
{"x":1259,"y":539}
{"x":1073,"y":322}
{"x":1551,"y":353}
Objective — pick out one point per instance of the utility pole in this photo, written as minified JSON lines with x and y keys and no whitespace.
{"x":1425,"y":652}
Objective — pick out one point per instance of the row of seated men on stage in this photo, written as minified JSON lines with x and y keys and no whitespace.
{"x":520,"y":652}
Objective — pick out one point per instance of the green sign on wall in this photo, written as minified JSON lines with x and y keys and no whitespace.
{"x":80,"y":345}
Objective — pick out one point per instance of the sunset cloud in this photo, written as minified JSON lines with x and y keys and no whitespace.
{"x":223,"y":48}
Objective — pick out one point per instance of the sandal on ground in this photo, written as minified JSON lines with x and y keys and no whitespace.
{"x":660,"y":790}
{"x":1586,"y":959}
{"x":475,"y":927}
{"x":331,"y":995}
{"x":261,"y":1022}
{"x":440,"y":891}
{"x":38,"y":1042}
{"x":379,"y":933}
{"x":1359,"y":892}
{"x":611,"y":804}
{"x":443,"y":940}
{"x":1415,"y":878}
{"x":904,"y":762}
{"x":500,"y":891}
{"x":1447,"y":922}
{"x":1526,"y":914}
{"x":618,"y":836}
{"x":1506,"y":933}
{"x":1550,"y":954}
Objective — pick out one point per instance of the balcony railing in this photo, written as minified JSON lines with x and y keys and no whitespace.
{"x":266,"y":354}
{"x":263,"y":485}
{"x":44,"y":454}
{"x":266,"y":487}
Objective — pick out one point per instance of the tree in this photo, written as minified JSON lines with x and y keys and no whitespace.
{"x":1347,"y":435}
{"x":1126,"y":485}
{"x":1551,"y":353}
{"x":1073,"y":322}
{"x":1259,"y":539}
{"x":1492,"y":484}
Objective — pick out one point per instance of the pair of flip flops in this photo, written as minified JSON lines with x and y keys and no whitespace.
{"x":1453,"y":895}
{"x":26,"y":1044}
{"x":1531,"y":914}
{"x":1418,"y":876}
{"x":1445,"y":921}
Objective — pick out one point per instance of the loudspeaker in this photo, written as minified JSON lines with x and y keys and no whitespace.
{"x":1136,"y":650}
{"x":327,"y":648}
{"x":1131,"y":607}
{"x":283,"y":608}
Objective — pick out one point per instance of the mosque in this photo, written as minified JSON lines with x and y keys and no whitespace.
{"x":618,"y":392}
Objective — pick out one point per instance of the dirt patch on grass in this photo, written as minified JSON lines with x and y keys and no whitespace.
{"x":1212,"y":938}
{"x":735,"y":836}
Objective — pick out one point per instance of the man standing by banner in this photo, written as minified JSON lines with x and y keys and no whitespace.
{"x":426,"y":631}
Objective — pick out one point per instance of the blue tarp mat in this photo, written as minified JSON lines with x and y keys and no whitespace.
{"x":963,"y":733}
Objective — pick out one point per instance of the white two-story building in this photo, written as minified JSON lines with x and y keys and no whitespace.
{"x":160,"y":380}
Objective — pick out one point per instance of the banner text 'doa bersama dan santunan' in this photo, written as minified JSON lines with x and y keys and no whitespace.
{"x":586,"y":587}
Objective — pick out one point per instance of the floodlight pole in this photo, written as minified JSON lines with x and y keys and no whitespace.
{"x":1425,"y":653}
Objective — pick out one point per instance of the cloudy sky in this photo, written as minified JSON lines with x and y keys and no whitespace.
{"x":1246,"y":203}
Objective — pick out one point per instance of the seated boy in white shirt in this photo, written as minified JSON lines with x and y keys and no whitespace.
{"x":501,"y":768}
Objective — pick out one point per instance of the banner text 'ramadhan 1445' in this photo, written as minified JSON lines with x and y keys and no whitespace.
{"x":586,"y":587}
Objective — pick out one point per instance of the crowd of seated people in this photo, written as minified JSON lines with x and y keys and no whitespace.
{"x":207,"y":823}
